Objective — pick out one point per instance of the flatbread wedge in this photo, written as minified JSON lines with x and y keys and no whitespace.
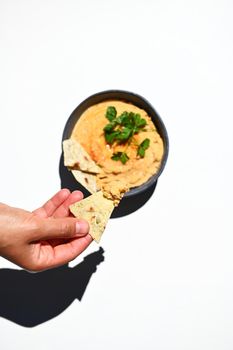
{"x":76,"y":157}
{"x":96,"y":210}
{"x":87,"y":180}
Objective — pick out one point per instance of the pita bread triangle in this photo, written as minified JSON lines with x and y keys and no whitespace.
{"x":96,"y":210}
{"x":87,"y":180}
{"x":76,"y":157}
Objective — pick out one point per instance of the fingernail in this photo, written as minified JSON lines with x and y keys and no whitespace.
{"x":82,"y":227}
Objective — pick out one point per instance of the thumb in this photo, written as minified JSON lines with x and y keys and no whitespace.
{"x":62,"y":228}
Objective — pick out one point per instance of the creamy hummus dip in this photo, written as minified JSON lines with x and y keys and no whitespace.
{"x":115,"y":177}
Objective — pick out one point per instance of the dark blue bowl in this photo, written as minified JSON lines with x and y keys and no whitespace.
{"x":137,"y":100}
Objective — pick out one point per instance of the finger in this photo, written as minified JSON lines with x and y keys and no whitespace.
{"x":64,"y":253}
{"x":52,"y":204}
{"x":51,"y":228}
{"x":63,"y":209}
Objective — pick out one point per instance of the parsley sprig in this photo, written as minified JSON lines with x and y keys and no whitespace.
{"x":143,"y":147}
{"x":122,"y":156}
{"x":121,"y":129}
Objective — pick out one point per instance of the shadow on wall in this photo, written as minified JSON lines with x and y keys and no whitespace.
{"x":30,"y":299}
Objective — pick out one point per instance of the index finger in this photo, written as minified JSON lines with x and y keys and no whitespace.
{"x":49,"y":208}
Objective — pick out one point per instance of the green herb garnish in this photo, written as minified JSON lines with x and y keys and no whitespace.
{"x":111,"y":136}
{"x":111,"y":113}
{"x":143,"y":147}
{"x":123,"y":127}
{"x":122,"y":156}
{"x":121,"y":130}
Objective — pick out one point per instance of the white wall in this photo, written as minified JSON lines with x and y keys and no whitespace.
{"x":166,"y":282}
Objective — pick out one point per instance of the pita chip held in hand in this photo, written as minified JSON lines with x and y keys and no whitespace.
{"x":96,"y":210}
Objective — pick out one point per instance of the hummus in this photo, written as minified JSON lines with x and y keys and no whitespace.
{"x":115,"y":178}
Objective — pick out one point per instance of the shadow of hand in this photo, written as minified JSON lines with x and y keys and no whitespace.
{"x":30,"y":299}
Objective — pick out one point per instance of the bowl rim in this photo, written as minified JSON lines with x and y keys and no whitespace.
{"x":71,"y":121}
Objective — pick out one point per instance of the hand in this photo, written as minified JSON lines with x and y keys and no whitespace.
{"x":45,"y":238}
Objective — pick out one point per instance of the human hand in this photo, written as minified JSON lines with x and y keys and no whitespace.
{"x":45,"y":238}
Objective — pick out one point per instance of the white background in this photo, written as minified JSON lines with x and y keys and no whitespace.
{"x":167,"y":278}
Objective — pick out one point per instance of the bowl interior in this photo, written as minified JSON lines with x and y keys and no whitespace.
{"x":137,"y":100}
